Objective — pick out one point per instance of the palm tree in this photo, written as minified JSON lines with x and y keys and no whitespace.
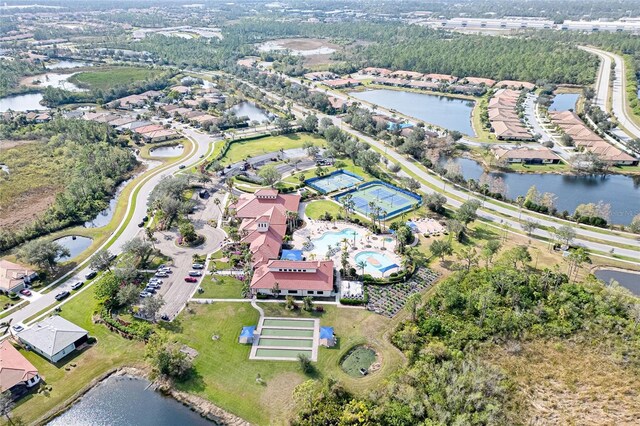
{"x":361,"y":264}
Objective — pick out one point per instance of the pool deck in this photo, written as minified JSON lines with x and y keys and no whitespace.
{"x":288,"y":324}
{"x":317,"y":228}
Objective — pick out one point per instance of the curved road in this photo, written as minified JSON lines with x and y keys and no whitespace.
{"x":492,"y":210}
{"x":137,"y":208}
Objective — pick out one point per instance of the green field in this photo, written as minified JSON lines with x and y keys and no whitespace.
{"x":316,"y":209}
{"x":250,"y":148}
{"x":220,"y":287}
{"x":105,"y":79}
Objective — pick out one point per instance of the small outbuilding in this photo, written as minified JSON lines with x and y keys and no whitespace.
{"x":327,"y":338}
{"x":247,"y":334}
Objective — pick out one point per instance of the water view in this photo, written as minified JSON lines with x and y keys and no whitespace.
{"x":443,"y":111}
{"x":249,"y":109}
{"x":124,"y":400}
{"x":627,"y":279}
{"x":76,"y":245}
{"x":27,"y":102}
{"x":104,"y":217}
{"x":564,"y":102}
{"x":167,"y":151}
{"x":622,"y":192}
{"x":68,"y":64}
{"x":53,"y":80}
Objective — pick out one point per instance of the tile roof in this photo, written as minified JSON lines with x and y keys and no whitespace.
{"x":321,"y":280}
{"x":11,"y":274}
{"x":14,"y":367}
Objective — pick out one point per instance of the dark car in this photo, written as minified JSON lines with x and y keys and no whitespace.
{"x":141,"y":224}
{"x":62,"y":295}
{"x":182,"y":166}
{"x":91,"y":275}
{"x":146,"y":218}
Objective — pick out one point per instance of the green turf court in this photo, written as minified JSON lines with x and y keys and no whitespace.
{"x":279,"y":332}
{"x":277,"y":322}
{"x":282,"y":353}
{"x":289,"y":343}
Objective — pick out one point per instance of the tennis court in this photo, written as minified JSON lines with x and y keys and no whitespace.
{"x":390,"y":199}
{"x":340,"y":179}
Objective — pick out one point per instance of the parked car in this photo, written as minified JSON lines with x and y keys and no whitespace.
{"x":197,"y":266}
{"x":77,"y":285}
{"x":112,"y":257}
{"x":140,"y":225}
{"x":164,"y":317}
{"x":195,"y":273}
{"x":145,"y":294}
{"x":161,"y":274}
{"x":150,"y":290}
{"x":25,"y":292}
{"x":153,"y":285}
{"x":146,"y":218}
{"x":17,"y":328}
{"x":166,"y":270}
{"x":191,"y":279}
{"x":62,"y":295}
{"x":91,"y":275}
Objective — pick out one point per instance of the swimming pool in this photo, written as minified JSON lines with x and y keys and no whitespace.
{"x":376,"y":262}
{"x":333,"y":239}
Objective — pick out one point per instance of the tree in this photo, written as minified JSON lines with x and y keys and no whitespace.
{"x":140,"y":249}
{"x":188,"y":232}
{"x":635,"y":224}
{"x":166,"y":357}
{"x":275,"y":290}
{"x":515,"y":255}
{"x":101,"y":260}
{"x":44,"y":254}
{"x":529,"y":226}
{"x":307,"y":303}
{"x":469,"y":256}
{"x":126,"y":272}
{"x":576,"y":259}
{"x":309,"y":123}
{"x":269,"y":175}
{"x":411,"y":184}
{"x":362,"y":265}
{"x":404,"y":235}
{"x":455,"y":229}
{"x":441,"y":248}
{"x":394,"y":167}
{"x":435,"y":202}
{"x":305,"y":363}
{"x":151,"y":306}
{"x":412,"y":304}
{"x":489,"y":250}
{"x":468,"y":211}
{"x":564,"y":234}
{"x":312,"y":150}
{"x":127,"y":295}
{"x":6,"y":404}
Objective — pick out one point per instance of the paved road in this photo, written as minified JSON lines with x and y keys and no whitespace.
{"x":138,"y":207}
{"x":492,"y":210}
{"x":618,"y":93}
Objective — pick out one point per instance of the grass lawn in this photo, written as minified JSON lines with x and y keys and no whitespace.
{"x":250,"y":148}
{"x":110,"y":352}
{"x":105,"y":79}
{"x":541,"y":168}
{"x":227,"y":377}
{"x":215,"y":262}
{"x":220,"y":287}
{"x":318,"y":208}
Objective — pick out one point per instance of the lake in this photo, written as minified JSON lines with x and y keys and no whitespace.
{"x":67,"y":64}
{"x":76,"y":245}
{"x":123,"y":400}
{"x":54,"y":80}
{"x":104,"y":217}
{"x":249,"y":109}
{"x":442,"y":111}
{"x":167,"y":151}
{"x":622,"y":192}
{"x":627,"y":279}
{"x":564,"y":102}
{"x":27,"y":102}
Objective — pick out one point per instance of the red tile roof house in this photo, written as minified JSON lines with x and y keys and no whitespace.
{"x":342,"y":82}
{"x":17,"y":374}
{"x":264,"y":216}
{"x":375,"y":71}
{"x":13,"y":277}
{"x":441,"y":77}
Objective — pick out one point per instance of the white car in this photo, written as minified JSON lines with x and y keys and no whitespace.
{"x":17,"y":328}
{"x":145,"y":294}
{"x":195,"y":273}
{"x":197,"y":266}
{"x":161,"y":274}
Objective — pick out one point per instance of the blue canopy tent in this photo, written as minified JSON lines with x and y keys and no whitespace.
{"x":327,"y":338}
{"x":246,"y":336}
{"x":413,"y":226}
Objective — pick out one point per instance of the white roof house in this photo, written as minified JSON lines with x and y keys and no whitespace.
{"x":53,"y":338}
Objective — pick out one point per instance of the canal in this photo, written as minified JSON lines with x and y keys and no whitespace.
{"x":125,"y":400}
{"x":443,"y":111}
{"x":627,"y":279}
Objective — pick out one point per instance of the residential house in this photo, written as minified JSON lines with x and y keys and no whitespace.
{"x":53,"y":338}
{"x":148,"y":128}
{"x":13,"y":276}
{"x":526,"y":155}
{"x":479,"y":81}
{"x":320,"y":76}
{"x":183,"y":90}
{"x":442,"y":78}
{"x":17,"y":374}
{"x":342,"y":82}
{"x":514,"y":84}
{"x":411,"y":75}
{"x":375,"y":71}
{"x":160,"y":135}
